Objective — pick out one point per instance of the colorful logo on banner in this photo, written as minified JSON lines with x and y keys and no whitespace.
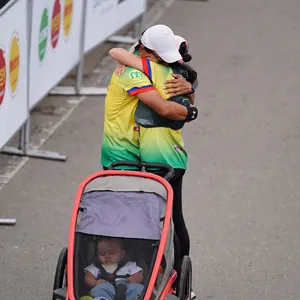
{"x":43,"y":36}
{"x":2,"y":75}
{"x":55,"y":25}
{"x":68,"y":15}
{"x":14,"y":63}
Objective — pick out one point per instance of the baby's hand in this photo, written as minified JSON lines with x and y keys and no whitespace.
{"x":136,"y":278}
{"x":100,"y":281}
{"x":120,"y":69}
{"x":130,"y":279}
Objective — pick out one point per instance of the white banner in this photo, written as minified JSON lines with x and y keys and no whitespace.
{"x":106,"y":17}
{"x":55,"y":44}
{"x":13,"y":69}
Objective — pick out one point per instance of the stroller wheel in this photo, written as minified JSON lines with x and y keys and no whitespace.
{"x":184,"y":286}
{"x":60,"y":279}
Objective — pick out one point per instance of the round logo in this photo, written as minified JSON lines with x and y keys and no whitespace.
{"x":55,"y":26}
{"x":43,"y":36}
{"x":136,"y":75}
{"x":68,"y":14}
{"x":2,"y":75}
{"x":14,"y":63}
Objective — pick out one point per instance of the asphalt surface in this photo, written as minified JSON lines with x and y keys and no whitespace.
{"x":241,"y":191}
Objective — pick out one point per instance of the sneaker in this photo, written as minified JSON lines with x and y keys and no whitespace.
{"x":193,"y":295}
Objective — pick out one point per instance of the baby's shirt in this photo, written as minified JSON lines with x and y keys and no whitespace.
{"x":130,"y":268}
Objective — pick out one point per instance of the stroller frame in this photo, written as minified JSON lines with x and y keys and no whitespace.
{"x":162,"y":243}
{"x":65,"y":266}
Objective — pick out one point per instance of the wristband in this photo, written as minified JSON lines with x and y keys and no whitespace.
{"x":192,"y":113}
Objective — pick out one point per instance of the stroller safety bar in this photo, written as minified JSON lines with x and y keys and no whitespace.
{"x":140,"y":165}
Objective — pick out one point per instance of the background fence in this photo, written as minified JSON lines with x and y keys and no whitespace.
{"x":14,"y":79}
{"x":40,"y":43}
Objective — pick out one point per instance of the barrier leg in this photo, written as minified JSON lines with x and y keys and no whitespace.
{"x":8,"y":221}
{"x":138,"y":27}
{"x":97,"y":91}
{"x":78,"y":90}
{"x":122,"y":39}
{"x":20,"y":150}
{"x":83,"y":91}
{"x":25,"y":150}
{"x":137,"y":30}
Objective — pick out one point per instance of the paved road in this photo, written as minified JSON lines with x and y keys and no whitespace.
{"x":241,"y":191}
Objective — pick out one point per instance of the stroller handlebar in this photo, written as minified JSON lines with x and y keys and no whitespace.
{"x":140,"y":165}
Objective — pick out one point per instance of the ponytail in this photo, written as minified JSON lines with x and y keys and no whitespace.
{"x":183,"y":50}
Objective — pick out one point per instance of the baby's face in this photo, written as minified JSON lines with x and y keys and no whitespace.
{"x":110,"y":252}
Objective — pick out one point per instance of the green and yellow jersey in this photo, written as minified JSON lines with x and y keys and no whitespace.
{"x":121,"y":138}
{"x":161,"y":144}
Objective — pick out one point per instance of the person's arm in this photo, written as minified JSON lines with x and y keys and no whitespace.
{"x":192,"y":95}
{"x":178,"y":86}
{"x":91,"y":281}
{"x":126,"y":58}
{"x":167,"y":109}
{"x":120,"y":68}
{"x":192,"y":98}
{"x":140,"y":86}
{"x":136,"y":278}
{"x":174,"y":87}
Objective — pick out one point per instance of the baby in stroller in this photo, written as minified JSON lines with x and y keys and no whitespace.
{"x":112,"y":277}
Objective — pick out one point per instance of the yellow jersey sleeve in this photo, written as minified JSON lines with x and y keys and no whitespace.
{"x":134,"y":82}
{"x":157,"y":74}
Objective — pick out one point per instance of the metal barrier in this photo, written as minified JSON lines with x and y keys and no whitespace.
{"x":60,"y":33}
{"x":14,"y":46}
{"x":14,"y":79}
{"x":111,"y":15}
{"x":55,"y":41}
{"x":42,"y":42}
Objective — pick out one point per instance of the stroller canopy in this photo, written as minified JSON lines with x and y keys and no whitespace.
{"x":123,"y":206}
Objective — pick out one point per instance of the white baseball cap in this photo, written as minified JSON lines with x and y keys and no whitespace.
{"x":161,"y":39}
{"x":179,"y":40}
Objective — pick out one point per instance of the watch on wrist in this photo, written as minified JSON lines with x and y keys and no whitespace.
{"x":193,"y":88}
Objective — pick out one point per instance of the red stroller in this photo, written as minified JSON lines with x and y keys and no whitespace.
{"x":135,"y":206}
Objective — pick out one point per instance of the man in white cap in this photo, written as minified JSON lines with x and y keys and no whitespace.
{"x":158,"y":38}
{"x":162,"y":41}
{"x":121,"y":138}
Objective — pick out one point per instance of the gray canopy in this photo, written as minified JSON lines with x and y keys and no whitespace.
{"x":120,"y":206}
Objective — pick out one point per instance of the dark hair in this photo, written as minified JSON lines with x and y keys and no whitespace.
{"x":138,"y":46}
{"x":183,"y":50}
{"x":185,"y":70}
{"x":109,"y":239}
